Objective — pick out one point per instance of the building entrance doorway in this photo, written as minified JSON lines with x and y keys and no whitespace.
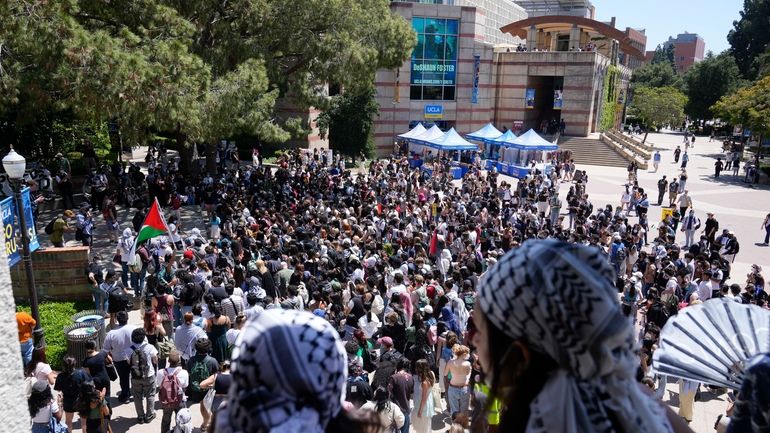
{"x":543,"y":112}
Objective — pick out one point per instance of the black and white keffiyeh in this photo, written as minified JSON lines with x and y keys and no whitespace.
{"x":559,"y":297}
{"x":289,"y":370}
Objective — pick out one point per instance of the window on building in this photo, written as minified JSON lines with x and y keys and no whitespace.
{"x":434,"y":59}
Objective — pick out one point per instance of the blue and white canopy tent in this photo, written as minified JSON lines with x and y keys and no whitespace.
{"x":419,"y":143}
{"x":417,"y":130}
{"x":451,"y":141}
{"x":488,"y":132}
{"x":531,"y":146}
{"x":516,"y":153}
{"x":531,"y":140}
{"x":483,"y":135}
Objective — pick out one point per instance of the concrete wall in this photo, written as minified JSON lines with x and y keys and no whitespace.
{"x":578,"y":70}
{"x":397,"y":109}
{"x":13,"y":410}
{"x":60,"y":273}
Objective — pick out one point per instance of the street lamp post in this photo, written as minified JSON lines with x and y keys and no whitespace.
{"x":15,"y":165}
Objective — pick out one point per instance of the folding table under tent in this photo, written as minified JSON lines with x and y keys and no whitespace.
{"x":501,"y":150}
{"x":416,"y":131}
{"x":418,"y":144}
{"x":451,"y":141}
{"x":528,"y":147}
{"x":483,"y":135}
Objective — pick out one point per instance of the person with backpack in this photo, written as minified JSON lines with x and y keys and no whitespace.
{"x":617,"y":253}
{"x":171,"y":382}
{"x":142,"y":361}
{"x":201,"y":367}
{"x":58,"y":226}
{"x":68,"y":383}
{"x":117,"y":295}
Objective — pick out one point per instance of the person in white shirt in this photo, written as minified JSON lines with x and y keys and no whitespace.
{"x":391,"y":416}
{"x":185,"y":337}
{"x":398,"y":286}
{"x":182,"y":377}
{"x":117,"y":343}
{"x":42,"y":406}
{"x":143,"y":359}
{"x":705,"y":287}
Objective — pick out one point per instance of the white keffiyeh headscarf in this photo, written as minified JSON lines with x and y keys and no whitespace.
{"x":559,"y":298}
{"x":289,"y":370}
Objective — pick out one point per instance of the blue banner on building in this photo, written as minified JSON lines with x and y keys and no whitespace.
{"x":476,"y":67}
{"x":13,"y":244}
{"x":530,"y":99}
{"x":557,"y":99}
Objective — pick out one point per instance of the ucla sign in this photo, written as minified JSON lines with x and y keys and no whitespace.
{"x":434,"y":111}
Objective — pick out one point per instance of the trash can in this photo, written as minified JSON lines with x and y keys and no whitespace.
{"x":96,"y":319}
{"x":77,"y":335}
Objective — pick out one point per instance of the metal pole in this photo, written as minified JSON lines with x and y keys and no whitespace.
{"x":38,"y":336}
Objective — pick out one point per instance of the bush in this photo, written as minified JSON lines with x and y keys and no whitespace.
{"x":54,"y":316}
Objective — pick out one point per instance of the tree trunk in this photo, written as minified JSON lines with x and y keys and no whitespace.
{"x":211,"y":157}
{"x":185,"y":153}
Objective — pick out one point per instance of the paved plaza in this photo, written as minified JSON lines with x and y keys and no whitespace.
{"x":737,"y":206}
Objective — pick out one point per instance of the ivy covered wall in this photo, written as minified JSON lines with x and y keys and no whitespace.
{"x":610,"y":98}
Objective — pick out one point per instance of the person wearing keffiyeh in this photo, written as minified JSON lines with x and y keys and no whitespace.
{"x":289,"y":373}
{"x":554,"y":345}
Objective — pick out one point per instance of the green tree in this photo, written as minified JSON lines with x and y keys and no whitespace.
{"x":658,"y":106}
{"x":748,"y":106}
{"x":750,"y":36}
{"x":709,"y":80}
{"x":664,"y":54}
{"x":656,"y":75}
{"x":349,"y":122}
{"x":197,"y":70}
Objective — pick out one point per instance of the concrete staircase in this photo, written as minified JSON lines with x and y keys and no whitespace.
{"x":592,"y":151}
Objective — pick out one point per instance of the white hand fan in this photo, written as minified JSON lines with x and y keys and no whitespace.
{"x":712,"y":342}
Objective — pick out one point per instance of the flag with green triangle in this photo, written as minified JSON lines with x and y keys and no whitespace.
{"x":154,"y":225}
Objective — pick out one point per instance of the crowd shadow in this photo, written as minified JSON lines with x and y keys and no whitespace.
{"x":728,"y":179}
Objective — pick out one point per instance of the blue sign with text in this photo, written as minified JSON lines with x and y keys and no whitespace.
{"x":434,"y":111}
{"x":11,"y":227}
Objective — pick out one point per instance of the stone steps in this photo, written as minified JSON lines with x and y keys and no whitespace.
{"x":591,"y":151}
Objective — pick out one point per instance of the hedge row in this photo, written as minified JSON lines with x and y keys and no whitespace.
{"x":54,"y":316}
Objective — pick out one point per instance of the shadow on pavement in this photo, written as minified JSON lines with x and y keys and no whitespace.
{"x":729,"y":179}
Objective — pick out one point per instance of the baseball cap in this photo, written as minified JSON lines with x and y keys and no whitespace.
{"x":386,"y":341}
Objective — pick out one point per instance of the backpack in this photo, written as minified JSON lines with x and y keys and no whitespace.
{"x":49,"y":226}
{"x":620,"y":254}
{"x":118,"y":299}
{"x":170,"y":392}
{"x":138,"y":363}
{"x":198,"y":373}
{"x":658,"y":314}
{"x":136,"y":266}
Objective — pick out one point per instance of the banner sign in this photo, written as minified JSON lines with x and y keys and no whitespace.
{"x":557,"y":99}
{"x":475,"y":91}
{"x":434,"y":112}
{"x":13,"y":245}
{"x":530,"y":99}
{"x":518,"y":125}
{"x":433,"y":72}
{"x":26,"y":200}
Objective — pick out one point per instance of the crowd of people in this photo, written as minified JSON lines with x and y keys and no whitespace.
{"x":322,"y":300}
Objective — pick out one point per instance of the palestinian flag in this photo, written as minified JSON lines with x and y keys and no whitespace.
{"x":154,"y":225}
